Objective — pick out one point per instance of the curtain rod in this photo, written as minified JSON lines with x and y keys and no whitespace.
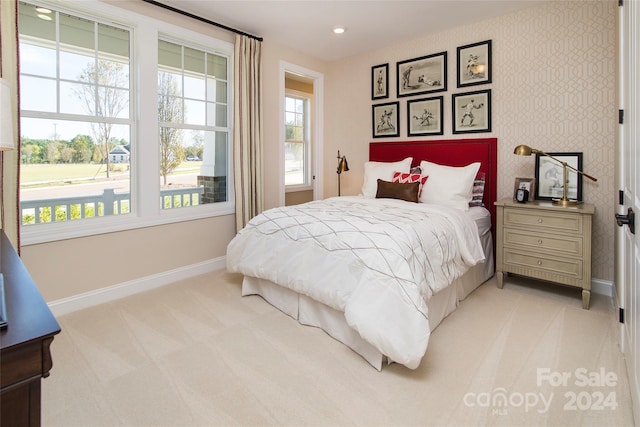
{"x":199,"y":18}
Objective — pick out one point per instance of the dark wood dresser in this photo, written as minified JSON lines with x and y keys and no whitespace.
{"x":25,"y":357}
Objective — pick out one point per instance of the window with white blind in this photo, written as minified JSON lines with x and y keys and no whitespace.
{"x":122,"y":125}
{"x":193,"y":123}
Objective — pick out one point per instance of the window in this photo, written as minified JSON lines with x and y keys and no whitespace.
{"x":296,"y":146}
{"x":111,"y":140}
{"x":75,"y":106}
{"x":192,"y":114}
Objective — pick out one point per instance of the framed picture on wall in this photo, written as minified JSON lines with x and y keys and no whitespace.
{"x":385,"y":119}
{"x":474,"y":64}
{"x":422,"y":75}
{"x":549,"y":176}
{"x":424,"y":116}
{"x":380,"y":81}
{"x":471,"y":112}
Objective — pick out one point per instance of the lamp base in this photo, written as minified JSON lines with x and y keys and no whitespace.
{"x":565,"y":202}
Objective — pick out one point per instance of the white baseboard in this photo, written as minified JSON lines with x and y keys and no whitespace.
{"x":602,"y":287}
{"x":110,"y":293}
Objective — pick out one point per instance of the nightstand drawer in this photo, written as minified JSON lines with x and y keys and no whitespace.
{"x":543,"y":221}
{"x":571,"y":268}
{"x":571,"y":246}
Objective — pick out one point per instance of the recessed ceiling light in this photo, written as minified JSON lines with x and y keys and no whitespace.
{"x":43,"y":10}
{"x":339,"y":30}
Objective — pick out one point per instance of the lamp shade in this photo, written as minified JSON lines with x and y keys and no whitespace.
{"x":342,"y":165}
{"x":7,"y":138}
{"x":523,"y":150}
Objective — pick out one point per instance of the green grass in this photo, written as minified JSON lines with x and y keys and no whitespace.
{"x":30,"y":174}
{"x":43,"y":173}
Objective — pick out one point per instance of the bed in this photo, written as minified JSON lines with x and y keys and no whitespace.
{"x":380,"y":310}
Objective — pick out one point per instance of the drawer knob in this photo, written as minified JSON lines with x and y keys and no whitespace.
{"x":539,"y":220}
{"x":539,"y":262}
{"x":540,"y":241}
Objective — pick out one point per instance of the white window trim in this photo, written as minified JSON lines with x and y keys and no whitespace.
{"x":145,"y":179}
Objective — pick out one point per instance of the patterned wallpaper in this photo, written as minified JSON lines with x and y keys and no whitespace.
{"x":559,"y":94}
{"x":554,"y":88}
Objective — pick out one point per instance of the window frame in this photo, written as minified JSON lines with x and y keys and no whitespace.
{"x":308,"y":173}
{"x":144,"y":176}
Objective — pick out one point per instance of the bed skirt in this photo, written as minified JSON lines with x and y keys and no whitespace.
{"x":313,"y":313}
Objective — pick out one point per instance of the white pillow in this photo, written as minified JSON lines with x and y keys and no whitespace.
{"x":381,"y":170}
{"x":448,"y":185}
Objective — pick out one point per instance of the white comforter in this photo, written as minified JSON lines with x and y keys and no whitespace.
{"x":377,"y":260}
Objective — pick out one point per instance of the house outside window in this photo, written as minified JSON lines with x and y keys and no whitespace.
{"x":75,"y":106}
{"x":99,"y":150}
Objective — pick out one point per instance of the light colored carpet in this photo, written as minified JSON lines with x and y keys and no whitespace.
{"x":196,"y":353}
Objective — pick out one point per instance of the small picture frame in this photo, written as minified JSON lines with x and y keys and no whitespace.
{"x":422,"y":75}
{"x":425,"y":116}
{"x":549,"y":176}
{"x":385,"y":120}
{"x":472,"y":112}
{"x":474,"y":64}
{"x":528,"y":184}
{"x":380,"y":81}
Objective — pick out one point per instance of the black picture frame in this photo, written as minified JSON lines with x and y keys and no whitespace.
{"x":385,"y":121}
{"x":471,"y":112}
{"x":380,"y":81}
{"x":425,"y":116}
{"x":549,"y":176}
{"x":422,"y":75}
{"x":474,"y":64}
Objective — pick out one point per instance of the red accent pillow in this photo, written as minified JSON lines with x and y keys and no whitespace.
{"x":406,"y":178}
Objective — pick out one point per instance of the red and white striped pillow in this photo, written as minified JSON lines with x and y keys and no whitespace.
{"x":407,"y":178}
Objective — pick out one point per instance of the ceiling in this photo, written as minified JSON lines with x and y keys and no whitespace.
{"x":307,"y":26}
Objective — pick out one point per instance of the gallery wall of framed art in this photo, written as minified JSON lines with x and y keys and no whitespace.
{"x":426,"y":75}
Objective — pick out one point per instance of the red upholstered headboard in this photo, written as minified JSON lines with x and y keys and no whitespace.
{"x":452,"y":152}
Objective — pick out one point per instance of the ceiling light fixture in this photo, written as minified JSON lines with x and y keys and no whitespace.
{"x":45,"y":17}
{"x":42,"y":10}
{"x":339,"y":30}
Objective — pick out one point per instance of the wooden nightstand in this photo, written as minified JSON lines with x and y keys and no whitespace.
{"x":541,"y":240}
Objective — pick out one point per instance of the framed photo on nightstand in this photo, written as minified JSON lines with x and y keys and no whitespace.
{"x":549,"y":176}
{"x":527,"y":184}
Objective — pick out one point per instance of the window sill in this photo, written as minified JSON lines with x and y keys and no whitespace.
{"x":297,"y":188}
{"x":44,"y":233}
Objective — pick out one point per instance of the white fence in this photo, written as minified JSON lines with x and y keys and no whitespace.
{"x":107,"y":203}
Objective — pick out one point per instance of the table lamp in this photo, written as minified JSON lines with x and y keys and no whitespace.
{"x":525,"y":150}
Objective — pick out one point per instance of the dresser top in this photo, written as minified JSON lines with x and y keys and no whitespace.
{"x":28,"y":316}
{"x":582,"y":208}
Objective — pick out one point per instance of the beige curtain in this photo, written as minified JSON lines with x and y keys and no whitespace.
{"x":10,"y":164}
{"x":247,"y":130}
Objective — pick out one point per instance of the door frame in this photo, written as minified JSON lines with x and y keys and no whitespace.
{"x":316,"y":128}
{"x":628,"y":138}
